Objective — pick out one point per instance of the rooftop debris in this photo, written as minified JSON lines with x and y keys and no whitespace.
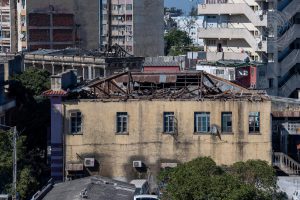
{"x":172,"y":86}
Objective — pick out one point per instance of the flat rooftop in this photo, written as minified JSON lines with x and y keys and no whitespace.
{"x":95,"y":188}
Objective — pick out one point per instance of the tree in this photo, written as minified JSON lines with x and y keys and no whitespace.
{"x":176,"y":42}
{"x":203,"y":179}
{"x":34,"y":80}
{"x":32,"y":118}
{"x":26,"y":181}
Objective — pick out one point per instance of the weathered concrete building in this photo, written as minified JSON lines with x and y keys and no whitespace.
{"x":89,"y":64}
{"x":136,"y":25}
{"x":134,"y":124}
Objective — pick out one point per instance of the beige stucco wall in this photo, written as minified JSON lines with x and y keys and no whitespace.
{"x":147,"y":142}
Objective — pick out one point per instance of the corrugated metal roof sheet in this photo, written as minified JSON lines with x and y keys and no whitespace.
{"x":159,"y":78}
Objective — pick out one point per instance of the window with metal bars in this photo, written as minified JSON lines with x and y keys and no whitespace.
{"x":76,"y":122}
{"x":122,"y":122}
{"x":254,"y":122}
{"x":169,"y":122}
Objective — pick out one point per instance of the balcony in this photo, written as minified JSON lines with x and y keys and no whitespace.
{"x":293,"y":128}
{"x":256,"y":18}
{"x":215,"y":56}
{"x":288,"y":37}
{"x":233,"y":33}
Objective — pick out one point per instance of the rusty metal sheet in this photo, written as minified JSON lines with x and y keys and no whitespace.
{"x":286,"y":114}
{"x":151,"y":78}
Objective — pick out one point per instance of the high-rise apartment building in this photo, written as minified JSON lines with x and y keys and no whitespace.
{"x":136,"y":25}
{"x":7,"y":28}
{"x":268,"y":31}
{"x":234,"y":26}
{"x":281,"y":75}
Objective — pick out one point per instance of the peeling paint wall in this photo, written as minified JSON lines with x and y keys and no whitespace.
{"x":147,"y":142}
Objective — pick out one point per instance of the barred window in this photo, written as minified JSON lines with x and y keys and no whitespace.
{"x":254,"y":122}
{"x":122,"y":122}
{"x":76,"y":122}
{"x":169,"y":122}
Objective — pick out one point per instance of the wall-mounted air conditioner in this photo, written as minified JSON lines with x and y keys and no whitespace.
{"x":89,"y":162}
{"x":137,"y":164}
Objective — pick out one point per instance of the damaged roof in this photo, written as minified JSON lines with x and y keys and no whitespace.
{"x":172,"y":85}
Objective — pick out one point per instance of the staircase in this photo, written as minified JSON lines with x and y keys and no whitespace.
{"x":290,"y":8}
{"x":290,"y":61}
{"x":289,"y":84}
{"x":288,"y":37}
{"x":287,"y":164}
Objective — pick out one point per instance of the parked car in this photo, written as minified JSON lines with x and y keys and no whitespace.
{"x":146,"y":197}
{"x":296,"y":195}
{"x":141,"y":186}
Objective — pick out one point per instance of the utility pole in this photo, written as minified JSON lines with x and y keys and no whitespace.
{"x":14,"y":143}
{"x":15,"y":161}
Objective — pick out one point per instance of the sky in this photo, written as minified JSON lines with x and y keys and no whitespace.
{"x":183,"y":4}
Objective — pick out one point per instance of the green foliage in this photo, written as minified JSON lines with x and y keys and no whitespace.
{"x":34,"y":80}
{"x":26,"y":182}
{"x":176,"y":42}
{"x":32,"y":116}
{"x":202,"y":179}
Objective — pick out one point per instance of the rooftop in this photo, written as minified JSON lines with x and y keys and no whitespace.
{"x":113,"y":51}
{"x":168,"y":86}
{"x":94,"y":188}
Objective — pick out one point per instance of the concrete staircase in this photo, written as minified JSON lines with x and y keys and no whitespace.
{"x":291,"y":9}
{"x":287,"y":164}
{"x":288,"y":37}
{"x":290,"y":61}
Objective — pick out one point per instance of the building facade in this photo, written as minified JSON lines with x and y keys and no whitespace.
{"x":281,"y":75}
{"x":132,"y":24}
{"x":268,"y":31}
{"x":88,"y":64}
{"x":7,"y":29}
{"x":135,"y":25}
{"x":126,"y":130}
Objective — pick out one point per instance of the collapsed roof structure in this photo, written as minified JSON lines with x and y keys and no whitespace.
{"x":172,"y":86}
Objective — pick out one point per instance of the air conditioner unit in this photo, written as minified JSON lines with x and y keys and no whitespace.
{"x":137,"y":164}
{"x":89,"y":162}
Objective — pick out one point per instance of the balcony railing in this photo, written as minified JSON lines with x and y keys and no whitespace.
{"x":292,"y":127}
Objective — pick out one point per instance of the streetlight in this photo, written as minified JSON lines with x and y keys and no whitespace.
{"x":14,"y":157}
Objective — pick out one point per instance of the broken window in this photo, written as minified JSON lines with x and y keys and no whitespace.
{"x":122,"y":122}
{"x":254,"y":122}
{"x":169,"y":122}
{"x":76,"y":122}
{"x":202,"y":122}
{"x":227,"y":122}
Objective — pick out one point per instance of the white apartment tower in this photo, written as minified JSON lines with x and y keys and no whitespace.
{"x":234,"y":26}
{"x":7,"y":31}
{"x":268,"y":31}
